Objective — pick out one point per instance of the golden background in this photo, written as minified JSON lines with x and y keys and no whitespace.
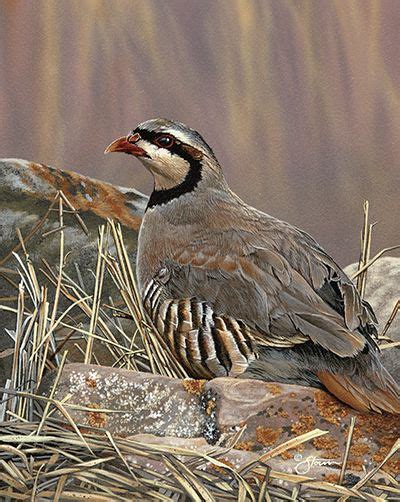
{"x":299,"y":99}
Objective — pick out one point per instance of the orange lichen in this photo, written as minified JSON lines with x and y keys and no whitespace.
{"x":331,"y":478}
{"x":283,"y":414}
{"x":392,"y":466}
{"x":359,"y":449}
{"x":91,"y":383}
{"x":245,"y":445}
{"x":274,"y":389}
{"x":384,"y":427}
{"x":220,"y":469}
{"x":331,"y":454}
{"x":330,"y":408}
{"x":210,"y":407}
{"x":325,"y":443}
{"x":96,"y":418}
{"x":194,"y":387}
{"x":287,"y":455}
{"x":104,"y":200}
{"x":354,"y":465}
{"x":305,"y":423}
{"x":267,"y":436}
{"x":380,"y":454}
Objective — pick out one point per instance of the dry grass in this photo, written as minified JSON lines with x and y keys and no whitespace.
{"x":43,"y":459}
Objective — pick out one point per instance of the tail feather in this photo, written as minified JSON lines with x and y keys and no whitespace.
{"x":370,"y":392}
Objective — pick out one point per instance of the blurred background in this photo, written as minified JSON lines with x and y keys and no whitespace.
{"x":300,"y":100}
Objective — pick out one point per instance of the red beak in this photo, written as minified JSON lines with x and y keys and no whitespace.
{"x":126,"y":144}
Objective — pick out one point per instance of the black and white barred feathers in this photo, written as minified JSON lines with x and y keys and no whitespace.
{"x":207,"y":345}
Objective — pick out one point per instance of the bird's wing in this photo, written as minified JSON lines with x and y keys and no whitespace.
{"x":241,"y":277}
{"x":323,"y":274}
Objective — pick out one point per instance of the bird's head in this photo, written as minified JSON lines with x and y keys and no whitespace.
{"x":177,"y":156}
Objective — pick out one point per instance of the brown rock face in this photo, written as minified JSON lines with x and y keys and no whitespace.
{"x":265,"y":415}
{"x":27,"y":190}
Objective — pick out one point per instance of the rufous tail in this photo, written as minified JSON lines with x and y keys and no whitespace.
{"x":377,"y":392}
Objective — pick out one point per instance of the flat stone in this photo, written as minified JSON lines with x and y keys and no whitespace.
{"x":202,"y":413}
{"x":139,"y":403}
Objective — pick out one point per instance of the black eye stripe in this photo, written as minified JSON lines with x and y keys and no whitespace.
{"x":177,"y":148}
{"x":152,"y":136}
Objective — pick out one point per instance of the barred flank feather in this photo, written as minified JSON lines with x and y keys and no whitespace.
{"x":207,"y":345}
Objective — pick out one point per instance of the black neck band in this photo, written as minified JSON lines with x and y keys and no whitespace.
{"x":159,"y":197}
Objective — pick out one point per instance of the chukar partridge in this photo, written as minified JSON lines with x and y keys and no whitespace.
{"x":236,"y":291}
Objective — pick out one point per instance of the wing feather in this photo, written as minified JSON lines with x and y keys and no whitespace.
{"x":261,"y":288}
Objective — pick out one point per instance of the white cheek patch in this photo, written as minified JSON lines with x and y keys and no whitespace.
{"x":168,"y":169}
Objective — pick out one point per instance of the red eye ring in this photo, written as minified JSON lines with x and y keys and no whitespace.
{"x":164,"y":140}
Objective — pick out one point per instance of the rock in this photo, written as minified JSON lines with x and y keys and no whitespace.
{"x":26,"y":192}
{"x":383,"y":291}
{"x":201,"y":413}
{"x":144,"y":403}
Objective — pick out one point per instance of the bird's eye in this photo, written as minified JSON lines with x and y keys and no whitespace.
{"x":164,"y":141}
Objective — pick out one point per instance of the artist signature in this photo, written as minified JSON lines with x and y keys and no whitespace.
{"x":305,"y":465}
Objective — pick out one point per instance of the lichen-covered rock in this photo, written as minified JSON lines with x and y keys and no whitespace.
{"x":383,"y":290}
{"x":140,"y":403}
{"x":26,"y":192}
{"x":203,"y":412}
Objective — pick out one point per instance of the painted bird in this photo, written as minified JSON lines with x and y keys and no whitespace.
{"x":235,"y":291}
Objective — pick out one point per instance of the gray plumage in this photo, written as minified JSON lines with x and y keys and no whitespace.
{"x":238,"y":292}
